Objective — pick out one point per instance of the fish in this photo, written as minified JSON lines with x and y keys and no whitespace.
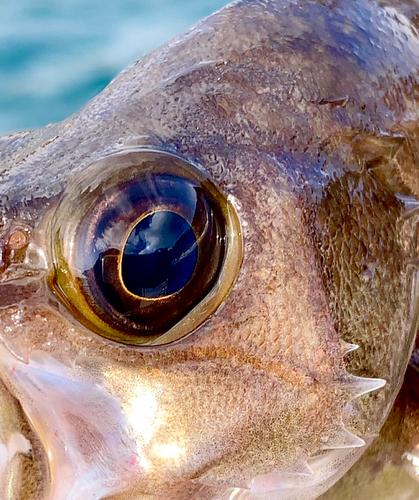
{"x":209,"y":274}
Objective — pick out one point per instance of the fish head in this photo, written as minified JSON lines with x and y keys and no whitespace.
{"x":209,"y":272}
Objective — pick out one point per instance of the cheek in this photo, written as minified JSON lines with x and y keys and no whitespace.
{"x":277,"y":309}
{"x":218,"y":417}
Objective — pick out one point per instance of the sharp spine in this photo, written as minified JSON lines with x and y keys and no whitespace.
{"x":301,"y":468}
{"x":342,"y":438}
{"x":346,"y":347}
{"x":358,"y":386}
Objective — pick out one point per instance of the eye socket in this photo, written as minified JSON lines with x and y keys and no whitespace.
{"x":145,"y":247}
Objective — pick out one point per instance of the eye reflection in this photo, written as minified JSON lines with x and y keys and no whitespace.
{"x":160,"y":255}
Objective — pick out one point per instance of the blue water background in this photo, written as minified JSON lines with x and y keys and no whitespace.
{"x":57,"y":54}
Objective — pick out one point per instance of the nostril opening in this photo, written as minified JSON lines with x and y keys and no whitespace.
{"x":18,"y":240}
{"x":13,"y":246}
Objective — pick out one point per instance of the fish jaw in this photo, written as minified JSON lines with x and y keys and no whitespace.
{"x":65,"y":411}
{"x":94,"y":453}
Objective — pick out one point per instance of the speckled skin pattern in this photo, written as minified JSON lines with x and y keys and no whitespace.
{"x":305,"y":114}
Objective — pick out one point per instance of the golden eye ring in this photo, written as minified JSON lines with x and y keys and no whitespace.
{"x":101,"y":231}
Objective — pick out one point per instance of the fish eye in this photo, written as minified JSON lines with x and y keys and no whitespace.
{"x":145,"y":247}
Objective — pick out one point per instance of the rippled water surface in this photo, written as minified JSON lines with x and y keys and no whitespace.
{"x":57,"y":54}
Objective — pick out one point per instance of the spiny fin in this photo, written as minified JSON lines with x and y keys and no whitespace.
{"x":357,"y":386}
{"x":342,"y":438}
{"x":346,"y":347}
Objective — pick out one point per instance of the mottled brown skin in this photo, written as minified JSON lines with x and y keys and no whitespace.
{"x":305,"y":112}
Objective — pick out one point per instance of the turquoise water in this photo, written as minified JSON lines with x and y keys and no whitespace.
{"x":57,"y":54}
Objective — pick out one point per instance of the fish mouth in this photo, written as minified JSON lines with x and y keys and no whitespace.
{"x":64,"y":413}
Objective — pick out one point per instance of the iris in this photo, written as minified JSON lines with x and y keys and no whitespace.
{"x":145,"y":246}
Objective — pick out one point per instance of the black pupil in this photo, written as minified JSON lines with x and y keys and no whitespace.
{"x":160,"y":255}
